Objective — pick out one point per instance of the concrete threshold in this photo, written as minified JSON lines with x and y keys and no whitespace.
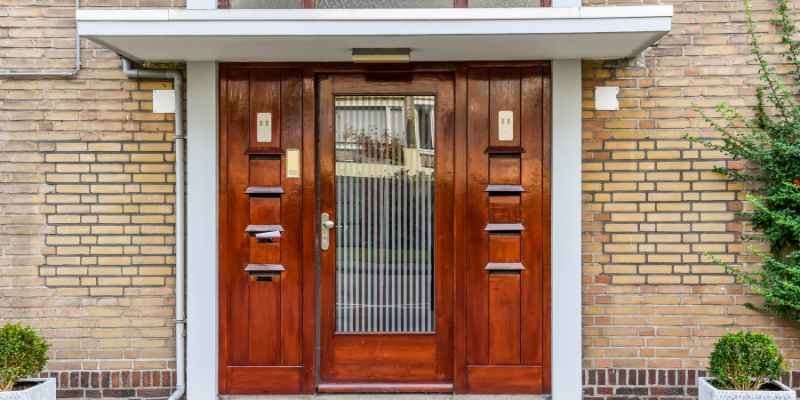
{"x":365,"y":396}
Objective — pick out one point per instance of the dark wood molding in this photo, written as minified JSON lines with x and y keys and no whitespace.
{"x":385,"y":387}
{"x":458,"y":84}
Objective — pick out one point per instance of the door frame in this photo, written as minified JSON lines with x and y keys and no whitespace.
{"x":310,"y":193}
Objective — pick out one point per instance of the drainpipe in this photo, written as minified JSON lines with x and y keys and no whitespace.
{"x":180,"y":224}
{"x":50,"y":73}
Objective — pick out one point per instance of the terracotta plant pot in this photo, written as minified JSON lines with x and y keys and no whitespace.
{"x":41,"y":389}
{"x":707,"y":391}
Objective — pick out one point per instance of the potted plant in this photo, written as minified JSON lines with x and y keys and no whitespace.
{"x":745,"y":365}
{"x":23,"y":354}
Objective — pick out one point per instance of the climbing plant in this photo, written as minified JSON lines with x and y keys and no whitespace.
{"x":768,"y":143}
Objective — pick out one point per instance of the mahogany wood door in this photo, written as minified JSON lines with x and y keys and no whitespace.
{"x":386,"y":267}
{"x":505,"y":217}
{"x":266,"y":290}
{"x":384,"y":230}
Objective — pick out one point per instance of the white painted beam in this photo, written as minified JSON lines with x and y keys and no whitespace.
{"x":330,"y":35}
{"x":202,"y":226}
{"x":566,"y":231}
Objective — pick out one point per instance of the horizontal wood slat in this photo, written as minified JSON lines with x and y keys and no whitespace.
{"x":504,"y":227}
{"x":385,"y":388}
{"x":504,"y":150}
{"x":504,"y":189}
{"x":263,"y":228}
{"x":255,"y":268}
{"x":501,"y":266}
{"x":256,"y":190}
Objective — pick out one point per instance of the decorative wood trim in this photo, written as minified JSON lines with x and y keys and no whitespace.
{"x":497,"y":266}
{"x":266,"y":152}
{"x":460,"y":235}
{"x":309,"y":273}
{"x":504,"y":189}
{"x":264,"y":190}
{"x":384,"y":388}
{"x":256,"y":268}
{"x":504,"y":150}
{"x":517,"y":227}
{"x":263,"y":228}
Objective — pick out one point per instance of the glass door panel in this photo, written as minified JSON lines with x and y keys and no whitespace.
{"x":384,"y":179}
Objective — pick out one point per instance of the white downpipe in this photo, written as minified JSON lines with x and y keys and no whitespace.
{"x":180,"y":221}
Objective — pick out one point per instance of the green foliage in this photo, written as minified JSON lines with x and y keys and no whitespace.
{"x":23,"y":353}
{"x":745,"y":361}
{"x":768,"y":144}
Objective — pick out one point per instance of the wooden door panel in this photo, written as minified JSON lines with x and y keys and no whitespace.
{"x":370,"y":356}
{"x":492,"y":236}
{"x":507,"y":203}
{"x":493,"y":379}
{"x":261,"y":311}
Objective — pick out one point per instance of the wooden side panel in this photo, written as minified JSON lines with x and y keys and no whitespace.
{"x":261,"y":327}
{"x":477,"y":298}
{"x":264,"y":319}
{"x":504,"y":319}
{"x":492,"y":379}
{"x":507,"y":330}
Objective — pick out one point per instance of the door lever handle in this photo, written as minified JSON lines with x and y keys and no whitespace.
{"x":325,"y":236}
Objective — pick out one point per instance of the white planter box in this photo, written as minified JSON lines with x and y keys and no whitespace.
{"x":45,"y":389}
{"x":707,"y":391}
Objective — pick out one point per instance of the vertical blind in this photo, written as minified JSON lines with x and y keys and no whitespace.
{"x":384,"y":211}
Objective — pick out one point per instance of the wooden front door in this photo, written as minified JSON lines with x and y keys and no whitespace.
{"x":386,"y":262}
{"x":384,"y":230}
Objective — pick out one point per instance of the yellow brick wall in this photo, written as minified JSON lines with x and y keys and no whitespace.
{"x":654,"y":211}
{"x":86,"y":201}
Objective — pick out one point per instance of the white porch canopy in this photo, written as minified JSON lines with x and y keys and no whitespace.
{"x":454,"y":34}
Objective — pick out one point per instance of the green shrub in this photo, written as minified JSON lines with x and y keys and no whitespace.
{"x":745,"y":361}
{"x":23,"y":353}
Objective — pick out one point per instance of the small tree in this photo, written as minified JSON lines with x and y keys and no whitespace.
{"x":23,"y":353}
{"x":770,"y":144}
{"x":745,"y":361}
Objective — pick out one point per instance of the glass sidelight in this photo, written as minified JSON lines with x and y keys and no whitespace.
{"x":385,"y":160}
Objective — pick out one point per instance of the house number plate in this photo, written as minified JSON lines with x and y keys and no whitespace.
{"x":264,"y":127}
{"x":505,"y":129}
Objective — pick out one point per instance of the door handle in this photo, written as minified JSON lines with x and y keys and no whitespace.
{"x":325,"y":236}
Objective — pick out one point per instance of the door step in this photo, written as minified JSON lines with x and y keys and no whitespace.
{"x":367,"y":396}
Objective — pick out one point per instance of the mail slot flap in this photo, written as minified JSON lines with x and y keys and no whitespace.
{"x":504,"y":188}
{"x":504,"y":267}
{"x":504,"y":227}
{"x":264,"y":268}
{"x":263,"y":228}
{"x":264,"y":190}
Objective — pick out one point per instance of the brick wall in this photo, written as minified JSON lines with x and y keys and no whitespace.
{"x":655,"y":212}
{"x":86,"y":208}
